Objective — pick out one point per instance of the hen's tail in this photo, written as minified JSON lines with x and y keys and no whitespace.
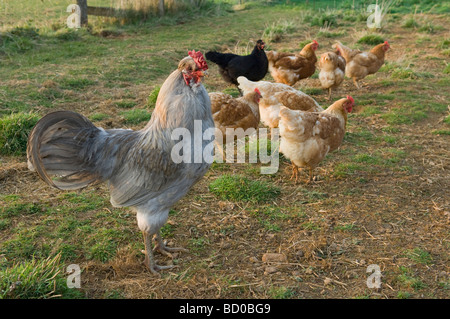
{"x":246,"y":85}
{"x":63,"y":143}
{"x":221,"y":59}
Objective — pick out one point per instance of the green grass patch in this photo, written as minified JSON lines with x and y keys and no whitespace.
{"x":126,"y":104}
{"x":347,"y":169}
{"x":153,"y":96}
{"x":135,"y":116}
{"x":419,"y":255}
{"x":96,"y":117}
{"x":14,"y":130}
{"x":407,"y":279}
{"x":36,"y":279}
{"x":410,"y":23}
{"x":276,"y":31}
{"x":75,"y":83}
{"x":240,"y":188}
{"x":371,"y":39}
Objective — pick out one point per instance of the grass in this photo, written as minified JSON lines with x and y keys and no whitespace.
{"x":371,"y":39}
{"x":35,"y":279}
{"x":14,"y":130}
{"x":135,"y":116}
{"x":419,"y":255}
{"x":276,"y":31}
{"x":153,"y":96}
{"x":240,"y":188}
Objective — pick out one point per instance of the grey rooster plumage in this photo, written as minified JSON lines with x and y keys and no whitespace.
{"x":137,"y":165}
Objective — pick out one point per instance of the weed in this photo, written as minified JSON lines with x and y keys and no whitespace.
{"x":153,"y":96}
{"x":324,"y":19}
{"x":135,"y":116}
{"x":403,"y":295}
{"x":346,"y":169}
{"x":419,"y":256}
{"x":14,"y":130}
{"x":126,"y":104}
{"x":96,"y":117}
{"x":281,"y":293}
{"x":371,"y":39}
{"x":407,"y":279}
{"x":76,"y":83}
{"x":441,"y":132}
{"x":239,"y":188}
{"x":35,"y":279}
{"x":410,"y":23}
{"x":276,"y":31}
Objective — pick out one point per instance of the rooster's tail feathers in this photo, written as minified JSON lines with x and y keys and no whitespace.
{"x":57,"y":146}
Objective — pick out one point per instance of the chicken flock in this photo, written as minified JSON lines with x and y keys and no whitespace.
{"x":69,"y":152}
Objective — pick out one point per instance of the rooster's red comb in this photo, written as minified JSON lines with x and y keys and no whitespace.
{"x":257,"y":91}
{"x":198,"y":59}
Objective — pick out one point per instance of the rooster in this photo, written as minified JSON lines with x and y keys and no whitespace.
{"x":307,"y":137}
{"x":137,"y":165}
{"x":332,"y":70}
{"x":275,"y":96}
{"x":288,"y":68}
{"x":360,"y":64}
{"x":231,"y":66}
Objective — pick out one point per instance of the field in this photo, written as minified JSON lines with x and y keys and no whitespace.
{"x":382,"y":198}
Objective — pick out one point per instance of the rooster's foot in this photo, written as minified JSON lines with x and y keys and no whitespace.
{"x":154,"y":268}
{"x":160,"y":246}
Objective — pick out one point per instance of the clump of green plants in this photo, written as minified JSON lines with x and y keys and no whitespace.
{"x":18,"y":40}
{"x":324,"y":19}
{"x":135,"y":116}
{"x":98,"y":117}
{"x":371,"y":39}
{"x":35,"y":279}
{"x":403,"y":73}
{"x":410,"y":23}
{"x":419,"y":255}
{"x":153,"y":96}
{"x":239,"y":188}
{"x":14,"y":130}
{"x":276,"y":31}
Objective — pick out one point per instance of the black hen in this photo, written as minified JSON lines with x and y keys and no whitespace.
{"x":231,"y":66}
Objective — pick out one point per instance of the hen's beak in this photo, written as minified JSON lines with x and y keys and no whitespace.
{"x":202,"y":73}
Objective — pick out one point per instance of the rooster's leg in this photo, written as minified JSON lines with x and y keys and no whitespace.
{"x":329,"y":94}
{"x":149,"y":259}
{"x":163,"y":249}
{"x":355,"y":81}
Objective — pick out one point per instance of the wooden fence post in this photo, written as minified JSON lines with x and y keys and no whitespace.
{"x":84,"y":14}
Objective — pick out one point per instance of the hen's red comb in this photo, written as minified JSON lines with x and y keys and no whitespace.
{"x":198,"y":59}
{"x":350,"y":99}
{"x":314,"y":41}
{"x":257,"y":91}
